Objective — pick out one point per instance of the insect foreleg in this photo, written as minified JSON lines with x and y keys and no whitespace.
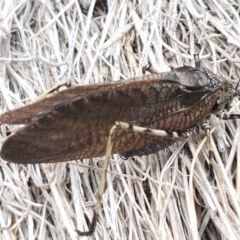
{"x":207,"y":128}
{"x":230,"y":116}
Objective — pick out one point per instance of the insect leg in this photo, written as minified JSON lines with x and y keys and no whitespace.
{"x":148,"y":68}
{"x":207,"y":128}
{"x":102,"y":184}
{"x":156,"y":132}
{"x":230,"y":116}
{"x":225,"y":116}
{"x":197,"y":60}
{"x":110,"y":143}
{"x":53,"y":89}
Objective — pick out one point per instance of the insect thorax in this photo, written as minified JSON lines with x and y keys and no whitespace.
{"x":227,"y":92}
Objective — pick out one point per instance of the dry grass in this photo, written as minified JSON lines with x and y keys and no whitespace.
{"x":44,"y":43}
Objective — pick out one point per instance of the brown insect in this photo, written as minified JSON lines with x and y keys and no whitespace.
{"x":75,"y":123}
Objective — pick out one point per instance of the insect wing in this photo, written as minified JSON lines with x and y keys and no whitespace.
{"x":75,"y":123}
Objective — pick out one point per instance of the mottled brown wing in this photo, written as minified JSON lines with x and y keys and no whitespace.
{"x":75,"y":123}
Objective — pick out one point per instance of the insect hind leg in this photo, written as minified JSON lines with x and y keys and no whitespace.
{"x":102,"y":185}
{"x":154,"y":147}
{"x":150,"y":149}
{"x":110,"y":143}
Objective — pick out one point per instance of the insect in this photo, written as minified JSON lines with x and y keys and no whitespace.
{"x":75,"y":123}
